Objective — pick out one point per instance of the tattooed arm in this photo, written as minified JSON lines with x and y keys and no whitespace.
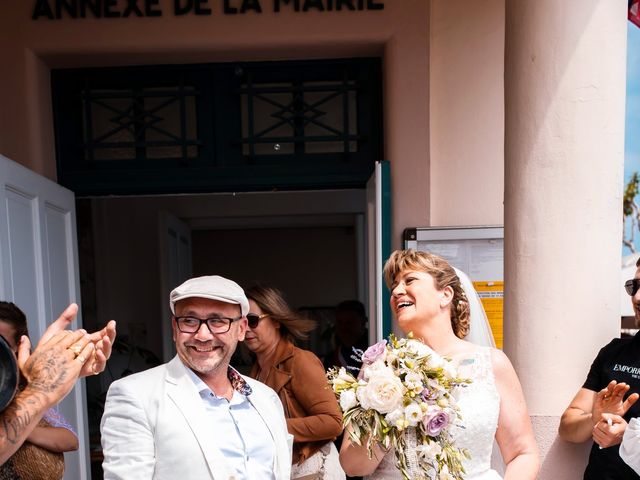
{"x":51,"y":371}
{"x":19,"y":419}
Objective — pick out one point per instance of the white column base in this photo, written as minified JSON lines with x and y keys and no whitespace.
{"x":559,"y":460}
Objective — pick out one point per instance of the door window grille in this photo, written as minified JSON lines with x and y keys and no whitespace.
{"x":218,"y":127}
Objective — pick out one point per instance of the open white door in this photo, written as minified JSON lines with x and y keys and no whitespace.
{"x":379,"y":249}
{"x":175,"y":268}
{"x":39,"y":272}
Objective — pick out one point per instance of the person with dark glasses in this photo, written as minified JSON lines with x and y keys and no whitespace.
{"x":632,"y":286}
{"x":607,"y":401}
{"x":298,"y":377}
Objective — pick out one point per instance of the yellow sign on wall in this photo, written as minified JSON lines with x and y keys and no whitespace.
{"x":492,"y":297}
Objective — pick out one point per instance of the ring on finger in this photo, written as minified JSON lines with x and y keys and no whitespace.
{"x":76,"y":349}
{"x":93,"y":365}
{"x":81,"y":358}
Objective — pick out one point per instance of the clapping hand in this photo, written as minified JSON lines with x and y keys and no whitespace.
{"x":103,"y":342}
{"x":61,"y":355}
{"x":608,"y":408}
{"x":609,"y":430}
{"x":610,"y":400}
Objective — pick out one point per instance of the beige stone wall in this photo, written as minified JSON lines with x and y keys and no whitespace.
{"x":466,"y":114}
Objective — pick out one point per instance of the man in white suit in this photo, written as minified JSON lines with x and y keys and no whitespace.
{"x":196,"y":417}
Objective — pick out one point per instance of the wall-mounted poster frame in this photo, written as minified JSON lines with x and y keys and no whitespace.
{"x":477,"y":251}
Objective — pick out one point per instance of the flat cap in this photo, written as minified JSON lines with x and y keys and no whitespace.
{"x":213,"y":287}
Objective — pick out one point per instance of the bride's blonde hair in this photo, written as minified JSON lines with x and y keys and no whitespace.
{"x":443,"y":275}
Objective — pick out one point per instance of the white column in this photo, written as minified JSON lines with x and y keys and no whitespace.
{"x":564,"y":153}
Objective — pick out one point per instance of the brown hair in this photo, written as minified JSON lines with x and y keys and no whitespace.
{"x":271,"y":300}
{"x":443,"y":275}
{"x":12,"y":315}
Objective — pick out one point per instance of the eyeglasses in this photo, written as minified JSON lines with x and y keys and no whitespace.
{"x":632,"y":286}
{"x":214,"y":324}
{"x":254,"y":318}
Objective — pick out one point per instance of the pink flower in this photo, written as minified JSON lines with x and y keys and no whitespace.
{"x":435,"y":421}
{"x":429,"y":394}
{"x":374,"y":352}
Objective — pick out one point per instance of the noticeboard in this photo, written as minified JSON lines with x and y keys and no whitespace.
{"x":477,"y":251}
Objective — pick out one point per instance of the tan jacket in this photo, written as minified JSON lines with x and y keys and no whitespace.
{"x":312,"y":411}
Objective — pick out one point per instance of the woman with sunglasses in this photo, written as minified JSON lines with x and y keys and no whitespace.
{"x":298,"y":377}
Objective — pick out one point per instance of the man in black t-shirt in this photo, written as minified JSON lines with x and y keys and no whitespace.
{"x":600,"y":411}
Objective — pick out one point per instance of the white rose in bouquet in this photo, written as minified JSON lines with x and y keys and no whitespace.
{"x":348,"y":400}
{"x":382,"y":393}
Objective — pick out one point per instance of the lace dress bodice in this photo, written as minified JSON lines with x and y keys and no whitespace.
{"x":479,"y":405}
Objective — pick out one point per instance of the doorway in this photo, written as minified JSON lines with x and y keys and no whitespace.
{"x":309,"y":244}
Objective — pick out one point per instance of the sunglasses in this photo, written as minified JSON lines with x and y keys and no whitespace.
{"x":632,"y":286}
{"x":253,"y":319}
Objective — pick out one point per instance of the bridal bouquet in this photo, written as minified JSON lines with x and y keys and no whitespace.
{"x":403,"y":399}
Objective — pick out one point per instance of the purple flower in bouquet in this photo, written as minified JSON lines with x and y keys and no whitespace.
{"x":428,"y":394}
{"x":374,"y":352}
{"x":435,"y":422}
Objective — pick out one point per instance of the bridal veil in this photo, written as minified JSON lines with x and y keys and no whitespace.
{"x":480,"y":330}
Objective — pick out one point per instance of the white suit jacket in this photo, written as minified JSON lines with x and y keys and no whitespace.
{"x":154,"y":427}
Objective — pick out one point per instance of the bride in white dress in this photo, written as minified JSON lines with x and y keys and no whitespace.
{"x":428,"y":299}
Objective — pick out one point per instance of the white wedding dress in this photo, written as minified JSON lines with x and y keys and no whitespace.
{"x":479,"y":402}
